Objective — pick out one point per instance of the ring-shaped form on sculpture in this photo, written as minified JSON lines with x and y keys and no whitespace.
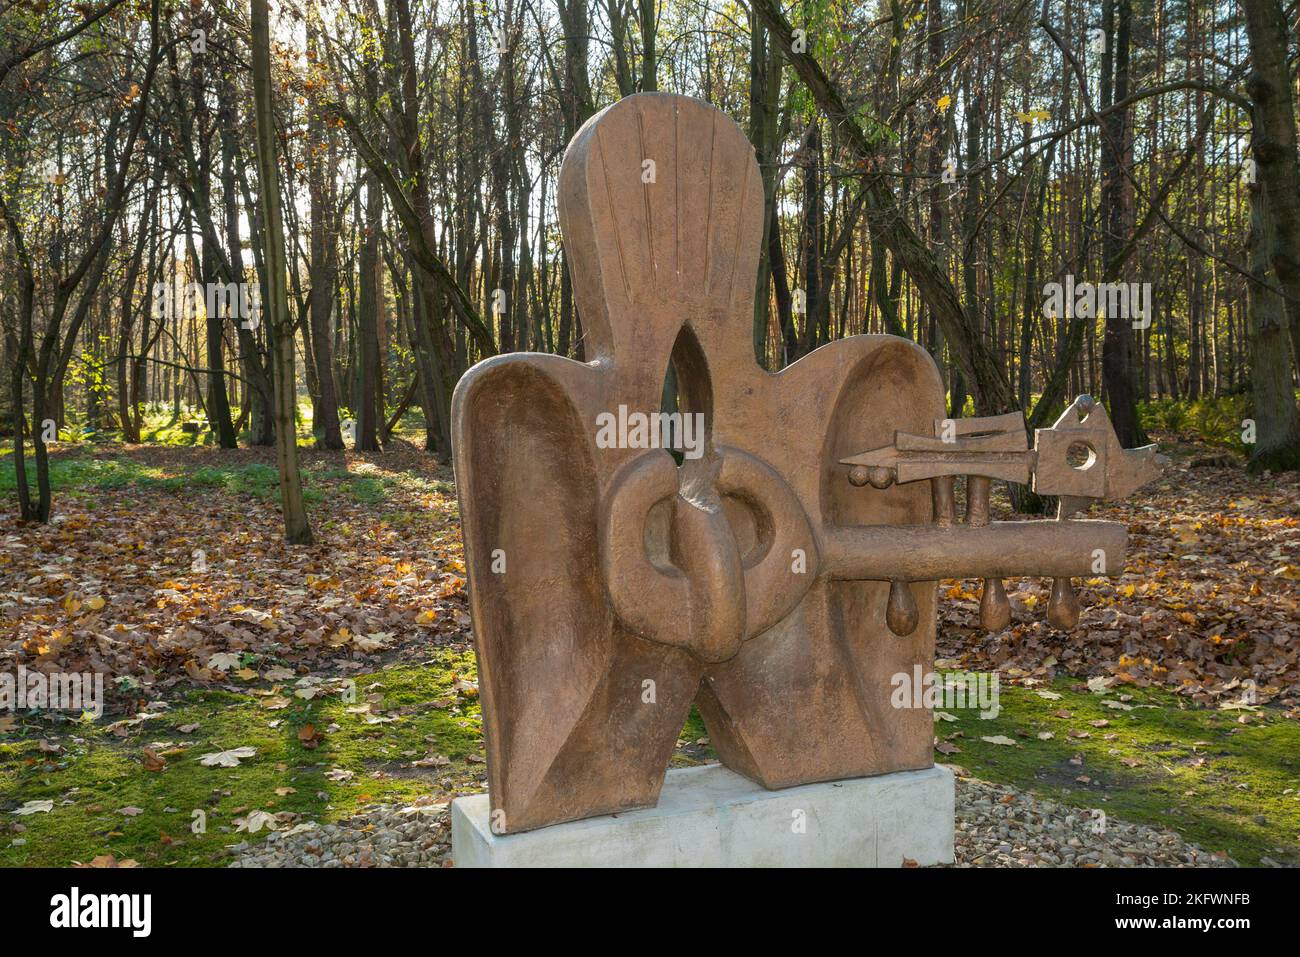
{"x":777,"y":575}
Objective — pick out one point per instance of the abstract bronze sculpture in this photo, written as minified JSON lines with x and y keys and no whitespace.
{"x":779,"y":577}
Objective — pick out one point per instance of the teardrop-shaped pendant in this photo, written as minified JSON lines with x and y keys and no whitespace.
{"x":1063,"y":606}
{"x":995,"y":609}
{"x":901,"y":614}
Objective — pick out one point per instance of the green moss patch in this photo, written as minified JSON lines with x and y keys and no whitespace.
{"x":1226,"y":785}
{"x":386,"y":743}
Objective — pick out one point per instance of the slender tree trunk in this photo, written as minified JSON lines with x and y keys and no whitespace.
{"x":649,"y":57}
{"x":574,"y":18}
{"x":367,"y":426}
{"x":324,"y":263}
{"x":789,"y":345}
{"x":618,"y":17}
{"x":218,"y":401}
{"x":297,"y":529}
{"x":261,"y":401}
{"x":125,"y":414}
{"x":764,"y":98}
{"x":813,"y":239}
{"x":26,"y":308}
{"x":1117,"y":347}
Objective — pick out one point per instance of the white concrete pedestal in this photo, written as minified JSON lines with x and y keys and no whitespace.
{"x":712,"y":817}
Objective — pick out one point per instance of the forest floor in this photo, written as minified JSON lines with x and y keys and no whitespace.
{"x":254,"y":687}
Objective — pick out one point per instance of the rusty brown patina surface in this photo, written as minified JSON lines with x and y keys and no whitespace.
{"x":766,"y":577}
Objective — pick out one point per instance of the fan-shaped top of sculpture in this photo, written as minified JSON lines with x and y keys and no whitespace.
{"x":661,"y":204}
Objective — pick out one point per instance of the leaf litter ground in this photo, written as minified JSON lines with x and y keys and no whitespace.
{"x":346,"y":668}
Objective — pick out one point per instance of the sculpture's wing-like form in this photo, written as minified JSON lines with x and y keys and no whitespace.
{"x":528,"y":505}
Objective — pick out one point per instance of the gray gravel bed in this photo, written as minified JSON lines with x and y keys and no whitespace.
{"x":997,"y":826}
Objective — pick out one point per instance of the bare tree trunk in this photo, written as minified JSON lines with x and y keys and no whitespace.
{"x":575,"y":19}
{"x":1273,"y":142}
{"x":297,"y":529}
{"x":618,"y":17}
{"x":764,"y":98}
{"x":649,"y":58}
{"x":788,"y":345}
{"x":1117,"y":347}
{"x":260,"y":399}
{"x":367,"y":322}
{"x":125,"y":411}
{"x":324,"y":263}
{"x":1277,"y":431}
{"x":23,"y":355}
{"x":218,"y":401}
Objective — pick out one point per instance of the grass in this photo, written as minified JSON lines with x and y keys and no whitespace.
{"x":1193,"y":770}
{"x":74,"y":472}
{"x":163,"y":425}
{"x":81,"y":473}
{"x":97,"y":774}
{"x":1198,"y":771}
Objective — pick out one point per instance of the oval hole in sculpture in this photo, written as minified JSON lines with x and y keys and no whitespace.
{"x":1081,"y":456}
{"x":687,"y":391}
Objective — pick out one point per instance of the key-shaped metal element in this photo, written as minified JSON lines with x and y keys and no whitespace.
{"x":1079,"y":459}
